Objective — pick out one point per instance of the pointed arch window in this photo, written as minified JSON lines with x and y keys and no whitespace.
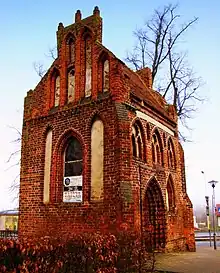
{"x":170,"y":196}
{"x":171,"y":154}
{"x":157,"y":153}
{"x":97,"y":159}
{"x":137,"y":142}
{"x":55,"y":84}
{"x":88,"y":66}
{"x":105,"y":76}
{"x":47,"y":167}
{"x":71,"y":85}
{"x":103,"y":73}
{"x":73,"y":158}
{"x":73,"y":169}
{"x":71,"y":50}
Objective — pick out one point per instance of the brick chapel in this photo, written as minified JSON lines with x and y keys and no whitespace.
{"x":100,"y":148}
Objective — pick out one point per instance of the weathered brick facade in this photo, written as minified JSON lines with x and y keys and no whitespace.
{"x":142,"y":153}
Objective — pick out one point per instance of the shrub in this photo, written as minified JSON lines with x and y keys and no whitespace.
{"x":90,"y":253}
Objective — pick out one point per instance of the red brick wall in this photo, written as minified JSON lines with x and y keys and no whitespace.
{"x":122,"y":172}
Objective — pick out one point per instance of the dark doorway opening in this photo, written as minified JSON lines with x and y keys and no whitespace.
{"x":154,"y":215}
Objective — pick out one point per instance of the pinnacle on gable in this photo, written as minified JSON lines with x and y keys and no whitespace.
{"x":78,"y":16}
{"x":96,"y":11}
{"x":60,"y":26}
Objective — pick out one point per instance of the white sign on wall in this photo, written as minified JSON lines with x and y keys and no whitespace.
{"x":72,"y":189}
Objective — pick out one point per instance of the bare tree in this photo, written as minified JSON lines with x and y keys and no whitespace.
{"x":52,"y":53}
{"x":15,"y":160}
{"x":39,"y":66}
{"x":39,"y":69}
{"x":157,"y":46}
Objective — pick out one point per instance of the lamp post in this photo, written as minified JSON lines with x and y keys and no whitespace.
{"x":207,"y":210}
{"x":208,"y":218}
{"x":213,"y":183}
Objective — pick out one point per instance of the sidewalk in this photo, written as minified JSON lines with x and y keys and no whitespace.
{"x":204,"y":260}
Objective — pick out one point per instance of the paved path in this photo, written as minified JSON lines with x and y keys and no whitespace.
{"x":204,"y":260}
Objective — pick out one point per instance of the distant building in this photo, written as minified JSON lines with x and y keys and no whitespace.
{"x":100,"y":148}
{"x":195,"y":223}
{"x":218,"y":214}
{"x":9,"y":219}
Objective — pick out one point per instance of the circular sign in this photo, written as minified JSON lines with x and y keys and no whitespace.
{"x":67,"y":182}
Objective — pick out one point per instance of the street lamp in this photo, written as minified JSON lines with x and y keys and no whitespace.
{"x":213,"y":183}
{"x":207,"y":210}
{"x":208,"y":218}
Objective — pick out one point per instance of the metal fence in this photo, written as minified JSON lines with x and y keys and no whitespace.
{"x":9,"y":234}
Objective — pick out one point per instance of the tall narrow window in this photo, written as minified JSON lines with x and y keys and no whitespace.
{"x":170,"y":198}
{"x":157,"y":153}
{"x":137,"y":142}
{"x":153,"y":153}
{"x":134,"y":151}
{"x":148,"y":131}
{"x":57,"y":91}
{"x":170,"y":154}
{"x":105,"y":76}
{"x":73,"y":158}
{"x":73,"y":168}
{"x":164,"y":140}
{"x":97,"y":160}
{"x":71,"y":50}
{"x":47,"y":165}
{"x":88,"y":66}
{"x":71,"y":85}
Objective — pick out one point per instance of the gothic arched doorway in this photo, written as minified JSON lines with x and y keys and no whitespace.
{"x":154,"y":214}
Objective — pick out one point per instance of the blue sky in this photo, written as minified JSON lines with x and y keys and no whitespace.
{"x":28,"y":29}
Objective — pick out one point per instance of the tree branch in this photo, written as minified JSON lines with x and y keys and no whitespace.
{"x":156,"y":47}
